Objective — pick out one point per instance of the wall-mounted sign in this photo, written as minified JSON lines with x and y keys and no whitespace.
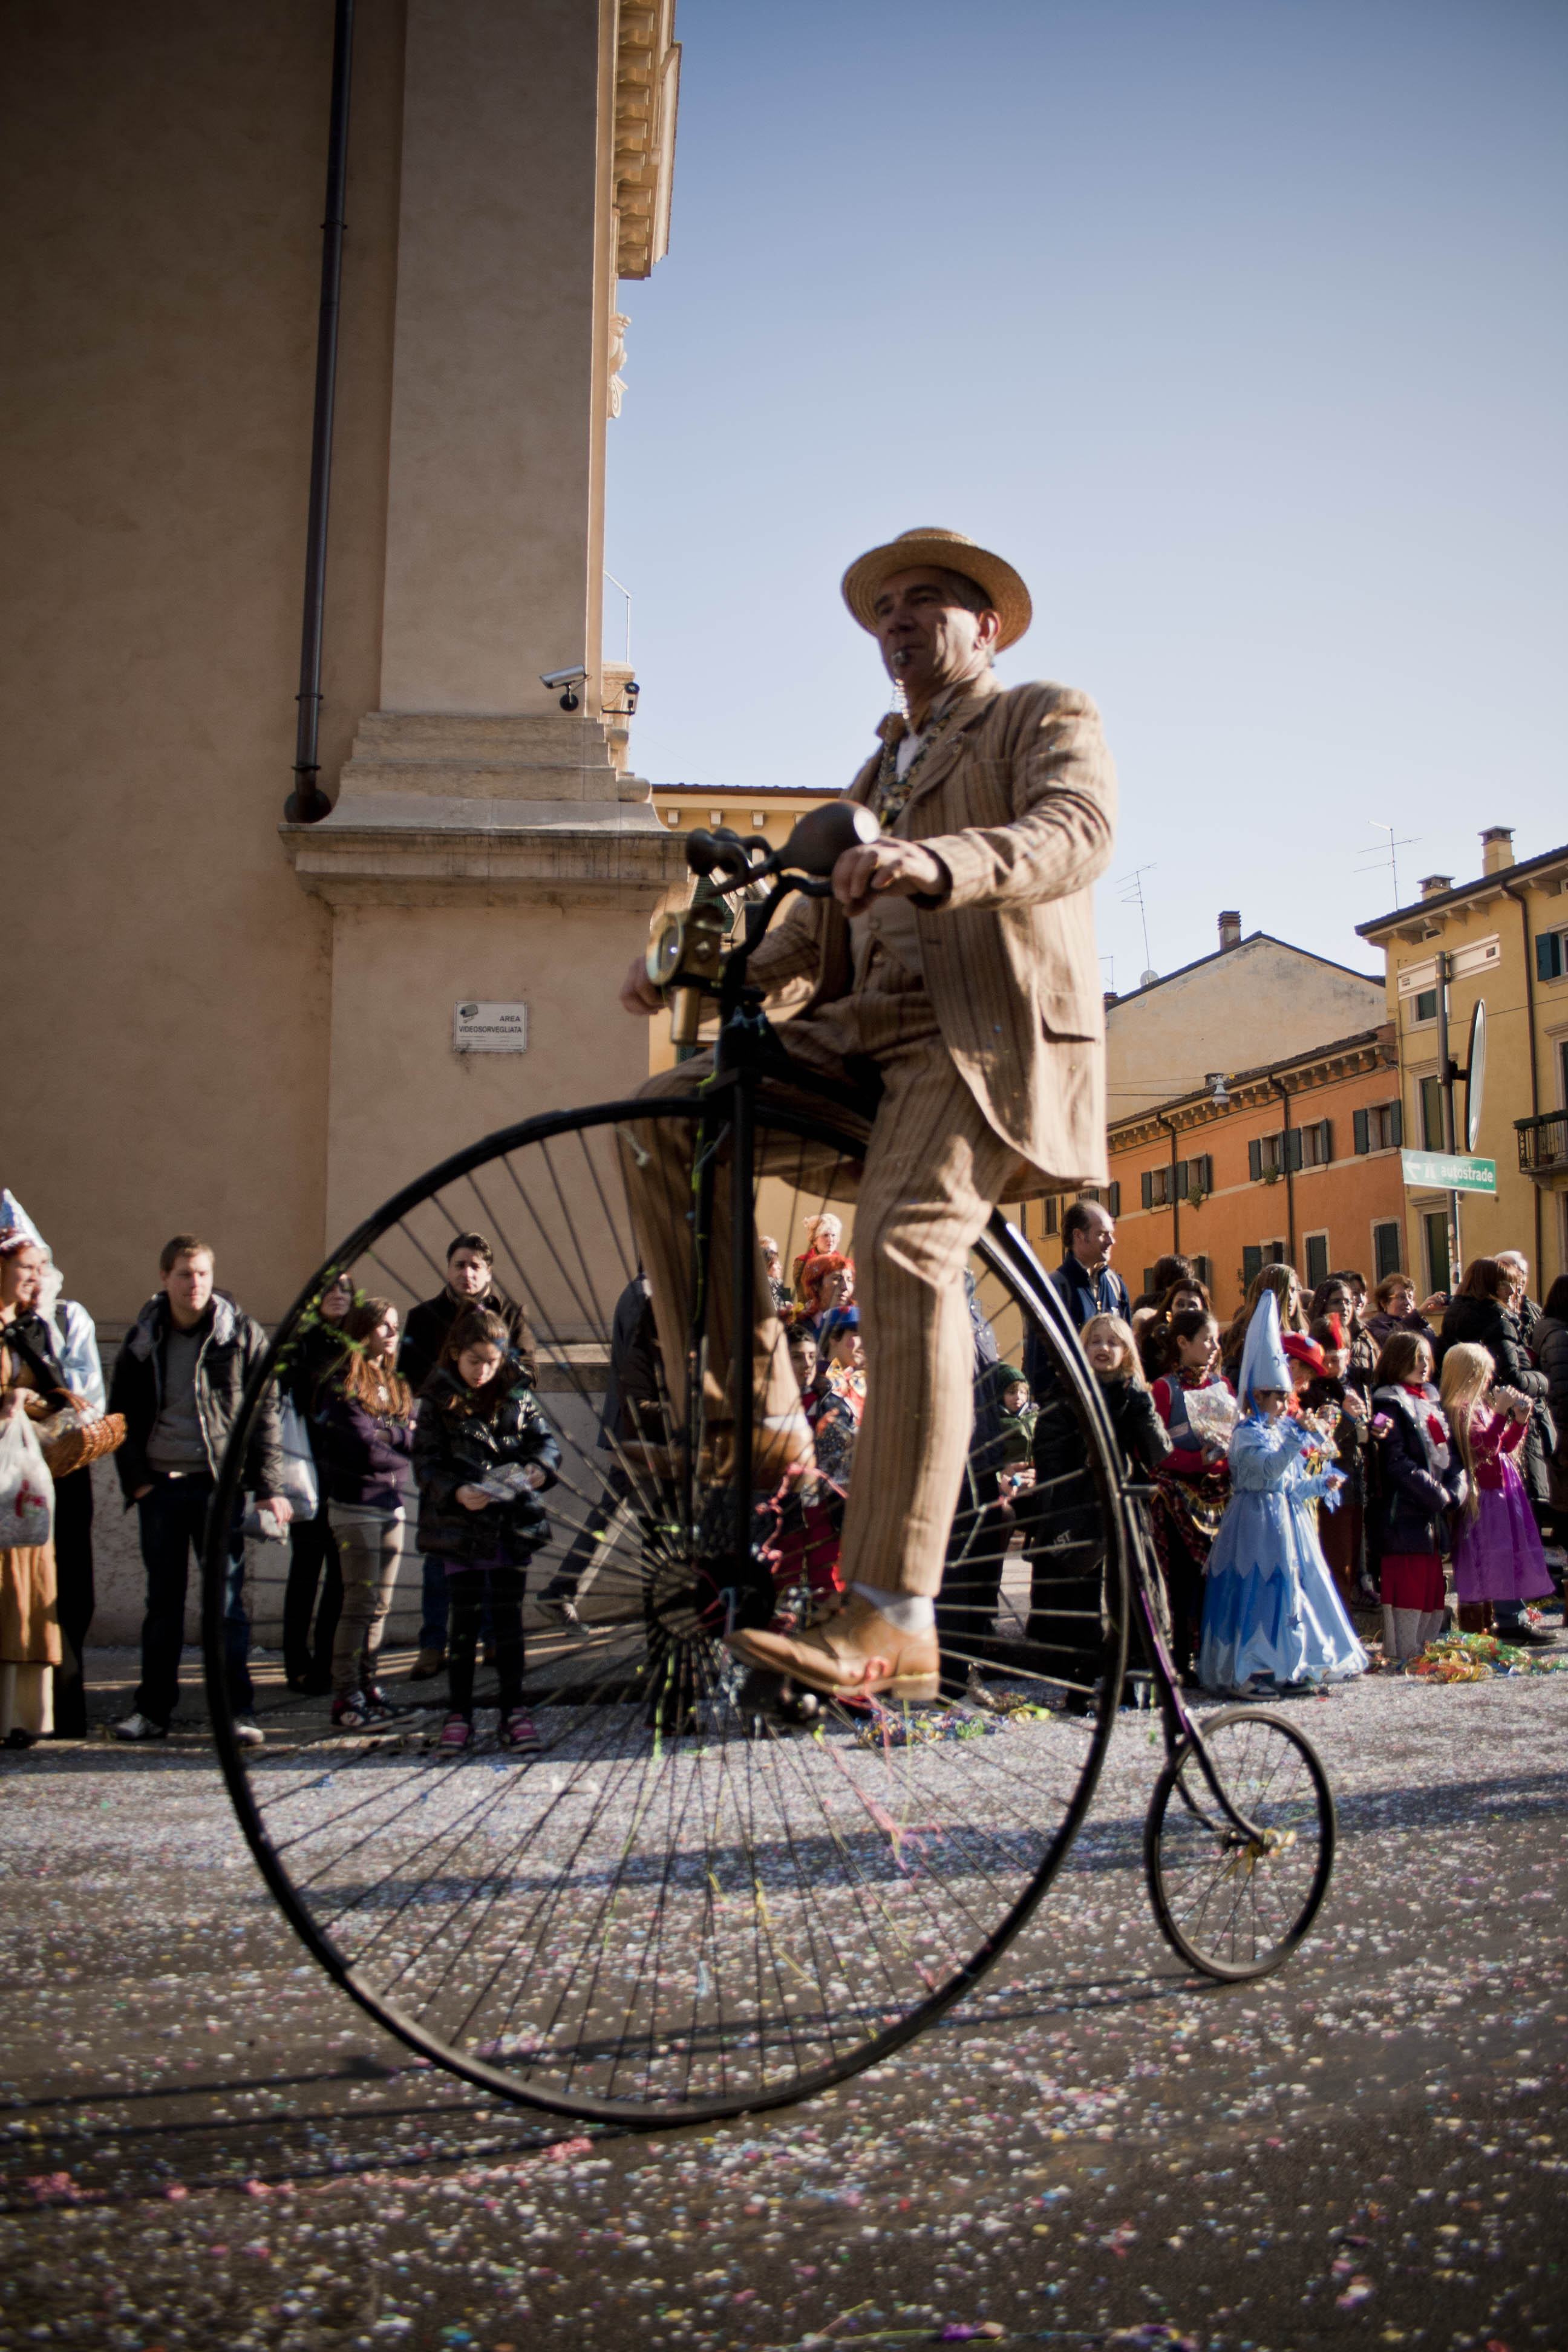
{"x":1446,"y":1171}
{"x":490,"y":1028}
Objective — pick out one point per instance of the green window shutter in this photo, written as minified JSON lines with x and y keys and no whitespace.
{"x":1147,"y":1182}
{"x":1205,"y":1174}
{"x":1183,"y":1178}
{"x":1363,"y":1142}
{"x":1251,"y":1265}
{"x":1396,"y":1123}
{"x":1255,"y":1163}
{"x":1293,"y":1148}
{"x":1326,"y":1147}
{"x":1549,"y":956}
{"x":1113,"y":1198}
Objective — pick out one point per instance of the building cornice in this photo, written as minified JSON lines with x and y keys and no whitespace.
{"x":1347,"y":1058}
{"x":648,"y":93}
{"x":1426,"y":918}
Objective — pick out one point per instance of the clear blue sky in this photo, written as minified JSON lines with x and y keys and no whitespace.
{"x":1239,"y":329}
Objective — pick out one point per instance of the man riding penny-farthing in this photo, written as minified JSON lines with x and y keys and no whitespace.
{"x":955,"y":958}
{"x":754,"y":1848}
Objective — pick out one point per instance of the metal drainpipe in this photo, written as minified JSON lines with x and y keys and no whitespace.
{"x":1513,"y":891}
{"x":1176,"y":1205}
{"x":1283,"y":1092}
{"x":307,"y":804}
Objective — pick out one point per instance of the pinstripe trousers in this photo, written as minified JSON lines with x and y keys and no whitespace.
{"x":933,"y":1170}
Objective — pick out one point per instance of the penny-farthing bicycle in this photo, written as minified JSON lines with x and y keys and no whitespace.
{"x":707,"y":1894}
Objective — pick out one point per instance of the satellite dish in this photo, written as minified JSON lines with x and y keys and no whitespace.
{"x":1475,"y":1075}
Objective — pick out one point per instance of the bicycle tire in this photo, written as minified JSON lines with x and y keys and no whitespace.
{"x":1204,"y":1883}
{"x":593,"y":1964}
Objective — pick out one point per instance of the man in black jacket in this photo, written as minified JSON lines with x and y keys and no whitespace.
{"x":470,"y":1284}
{"x":179,"y":1379}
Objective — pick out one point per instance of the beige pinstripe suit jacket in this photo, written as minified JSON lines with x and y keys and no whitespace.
{"x":1019,"y":802}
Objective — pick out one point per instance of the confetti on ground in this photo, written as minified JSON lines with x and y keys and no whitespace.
{"x":1093,"y":2150}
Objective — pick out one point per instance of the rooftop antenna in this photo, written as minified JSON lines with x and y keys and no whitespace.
{"x":1389,"y":850}
{"x":1131,"y":889}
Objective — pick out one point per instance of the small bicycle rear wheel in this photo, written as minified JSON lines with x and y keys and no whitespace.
{"x":688,"y":1904}
{"x":1236,"y":1906}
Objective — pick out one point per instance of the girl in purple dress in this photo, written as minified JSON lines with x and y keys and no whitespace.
{"x":1497,"y":1557}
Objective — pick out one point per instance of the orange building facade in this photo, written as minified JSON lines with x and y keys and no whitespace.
{"x":1295,"y":1160}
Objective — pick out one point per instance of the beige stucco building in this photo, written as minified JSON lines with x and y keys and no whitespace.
{"x":226,"y":1023}
{"x":1503,"y":936}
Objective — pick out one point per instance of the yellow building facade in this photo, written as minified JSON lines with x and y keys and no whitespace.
{"x":1500,"y":939}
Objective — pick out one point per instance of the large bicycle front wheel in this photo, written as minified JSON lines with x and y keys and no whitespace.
{"x":1236,"y":1906}
{"x":693,"y":1900}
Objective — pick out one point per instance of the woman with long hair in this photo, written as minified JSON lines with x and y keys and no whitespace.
{"x":1279,"y":1281}
{"x":1499,"y":1563}
{"x":362,"y":1431}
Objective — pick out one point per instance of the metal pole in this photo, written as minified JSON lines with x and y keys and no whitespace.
{"x":307,"y":804}
{"x":1445,"y":1081}
{"x":743,"y":1319}
{"x":1176,"y":1205}
{"x":1515,"y":893}
{"x":1283,"y":1092}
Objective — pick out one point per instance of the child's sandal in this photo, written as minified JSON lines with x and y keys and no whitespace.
{"x":517,"y":1730}
{"x":456,"y":1736}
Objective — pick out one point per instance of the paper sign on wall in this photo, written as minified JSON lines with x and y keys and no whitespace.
{"x":490,"y":1028}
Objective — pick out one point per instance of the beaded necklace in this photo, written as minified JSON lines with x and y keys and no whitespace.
{"x":892,"y":790}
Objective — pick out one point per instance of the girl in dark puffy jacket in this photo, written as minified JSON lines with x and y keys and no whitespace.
{"x":1421,"y":1482}
{"x":484,"y":1453}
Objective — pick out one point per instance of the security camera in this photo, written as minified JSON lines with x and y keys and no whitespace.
{"x":568,"y":680}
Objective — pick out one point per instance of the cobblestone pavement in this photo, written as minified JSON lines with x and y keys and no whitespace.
{"x":208,"y":2145}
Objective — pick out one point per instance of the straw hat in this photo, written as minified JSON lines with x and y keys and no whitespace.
{"x":914,"y":551}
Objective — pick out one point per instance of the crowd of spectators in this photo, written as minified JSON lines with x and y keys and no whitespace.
{"x":1435,"y":1428}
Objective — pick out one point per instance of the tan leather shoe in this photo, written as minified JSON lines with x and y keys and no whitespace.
{"x":853,"y":1652}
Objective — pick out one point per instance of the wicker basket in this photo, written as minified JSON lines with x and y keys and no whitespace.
{"x":73,"y":1449}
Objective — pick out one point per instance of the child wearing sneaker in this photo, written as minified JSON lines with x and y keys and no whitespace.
{"x":484,"y":1453}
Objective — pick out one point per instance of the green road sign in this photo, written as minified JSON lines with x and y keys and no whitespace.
{"x":1446,"y":1171}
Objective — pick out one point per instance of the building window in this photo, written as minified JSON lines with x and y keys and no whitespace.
{"x":759,"y":819}
{"x":1053,"y":1216}
{"x":1387,"y":1247}
{"x":1189,"y":1179}
{"x":1432,"y":1117}
{"x":1380,"y":1128}
{"x":1315,"y":1148}
{"x":1434,"y":1232}
{"x":1317,"y":1259}
{"x":1552,"y":955}
{"x":1426,"y":1007}
{"x":672,"y":816}
{"x":1108,"y":1195}
{"x":1266,"y":1156}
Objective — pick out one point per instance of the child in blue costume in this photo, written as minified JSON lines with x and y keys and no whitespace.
{"x":1272,"y":1620}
